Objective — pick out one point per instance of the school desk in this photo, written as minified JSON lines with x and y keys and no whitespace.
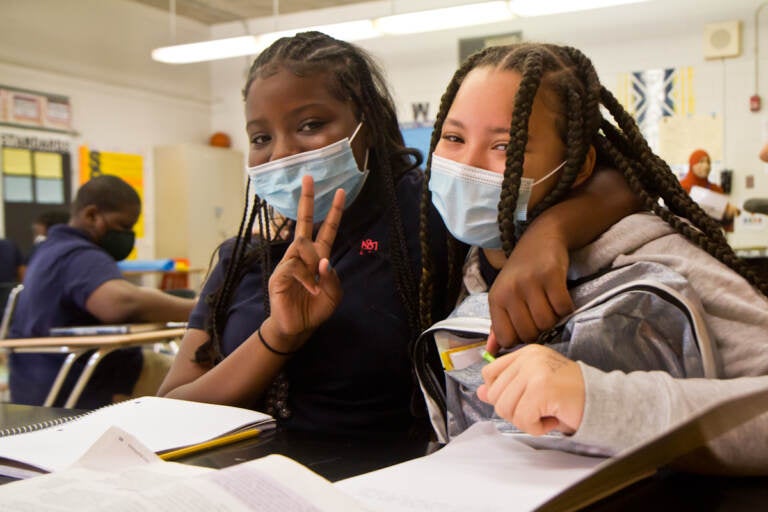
{"x":337,"y":457}
{"x":75,"y":346}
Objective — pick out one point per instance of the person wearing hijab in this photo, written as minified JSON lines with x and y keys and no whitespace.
{"x":699,"y":167}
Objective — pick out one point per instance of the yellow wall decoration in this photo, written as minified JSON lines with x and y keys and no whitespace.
{"x":126,"y":166}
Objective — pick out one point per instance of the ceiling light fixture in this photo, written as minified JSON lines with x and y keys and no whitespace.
{"x":405,"y":23}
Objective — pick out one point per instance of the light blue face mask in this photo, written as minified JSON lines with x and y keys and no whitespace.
{"x":467,"y":198}
{"x":332,"y":167}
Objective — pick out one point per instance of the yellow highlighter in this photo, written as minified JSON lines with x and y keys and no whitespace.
{"x":488,"y":356}
{"x":213,"y":443}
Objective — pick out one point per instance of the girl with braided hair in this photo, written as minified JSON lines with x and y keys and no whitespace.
{"x":273,"y":331}
{"x":527,"y":120}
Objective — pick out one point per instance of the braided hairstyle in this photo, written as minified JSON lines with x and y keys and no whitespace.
{"x":569,"y":77}
{"x":351,"y":76}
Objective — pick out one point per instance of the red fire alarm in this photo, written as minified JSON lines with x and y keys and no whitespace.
{"x":754,"y":103}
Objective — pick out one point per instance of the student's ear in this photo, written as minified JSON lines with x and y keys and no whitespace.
{"x":89,"y":219}
{"x":90,"y":213}
{"x":587,"y":168}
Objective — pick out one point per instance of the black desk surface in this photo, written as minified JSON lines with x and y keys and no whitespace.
{"x":336,"y":458}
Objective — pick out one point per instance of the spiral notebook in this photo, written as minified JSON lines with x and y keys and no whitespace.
{"x":162,"y":424}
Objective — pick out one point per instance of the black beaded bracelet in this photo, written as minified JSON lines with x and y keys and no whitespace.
{"x":271,"y":349}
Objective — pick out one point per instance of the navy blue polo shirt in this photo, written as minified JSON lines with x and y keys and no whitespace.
{"x":354,"y":373}
{"x":10,"y":261}
{"x":68,"y":267}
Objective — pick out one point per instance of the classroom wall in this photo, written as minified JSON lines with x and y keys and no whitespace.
{"x":97,"y":53}
{"x":656,"y":34}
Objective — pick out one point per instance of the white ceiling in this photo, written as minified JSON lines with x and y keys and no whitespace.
{"x":665,"y":14}
{"x":211,"y":12}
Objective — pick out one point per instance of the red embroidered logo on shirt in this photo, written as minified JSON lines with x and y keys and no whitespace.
{"x":370,"y":246}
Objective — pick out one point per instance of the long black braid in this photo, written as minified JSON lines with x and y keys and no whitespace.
{"x":455,"y":253}
{"x":570,"y":77}
{"x":351,"y":76}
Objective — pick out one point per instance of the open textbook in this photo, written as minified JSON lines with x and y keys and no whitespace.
{"x":162,"y":424}
{"x":119,"y":473}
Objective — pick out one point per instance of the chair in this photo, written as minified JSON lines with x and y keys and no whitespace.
{"x":757,"y":205}
{"x":10,"y":305}
{"x":5,"y":325}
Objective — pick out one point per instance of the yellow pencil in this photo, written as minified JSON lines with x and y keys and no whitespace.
{"x":213,"y":443}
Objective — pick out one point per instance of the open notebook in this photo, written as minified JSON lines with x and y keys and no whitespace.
{"x":161,"y":424}
{"x":482,"y":469}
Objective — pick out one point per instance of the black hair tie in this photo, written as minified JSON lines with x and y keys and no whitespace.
{"x":270,"y":348}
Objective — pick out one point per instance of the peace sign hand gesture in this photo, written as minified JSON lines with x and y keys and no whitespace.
{"x":304,"y":289}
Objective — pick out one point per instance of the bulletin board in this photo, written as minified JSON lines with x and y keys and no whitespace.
{"x":679,"y":136}
{"x":35,"y":109}
{"x":36,"y":177}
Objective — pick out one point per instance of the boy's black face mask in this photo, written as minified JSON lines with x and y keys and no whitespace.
{"x":118,"y":244}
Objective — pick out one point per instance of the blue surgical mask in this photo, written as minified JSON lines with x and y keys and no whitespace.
{"x":331,"y":167}
{"x":467,"y":198}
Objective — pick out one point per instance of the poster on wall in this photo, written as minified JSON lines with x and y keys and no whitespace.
{"x":35,"y":179}
{"x":653,"y":94}
{"x":679,"y":136}
{"x":27,"y":108}
{"x":127,"y":166}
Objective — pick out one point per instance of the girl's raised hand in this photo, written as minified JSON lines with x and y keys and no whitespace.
{"x":304,"y":290}
{"x":536,"y":389}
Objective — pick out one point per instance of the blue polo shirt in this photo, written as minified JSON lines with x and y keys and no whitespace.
{"x":68,"y":267}
{"x":354,"y":373}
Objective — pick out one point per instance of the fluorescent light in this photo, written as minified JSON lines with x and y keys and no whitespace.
{"x":207,"y":50}
{"x":441,"y":19}
{"x":251,"y":45}
{"x":543,"y":7}
{"x":406,"y":23}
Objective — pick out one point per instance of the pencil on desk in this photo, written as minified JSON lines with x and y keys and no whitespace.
{"x":213,"y":443}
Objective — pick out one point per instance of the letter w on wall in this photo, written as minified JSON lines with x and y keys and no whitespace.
{"x":420,"y":110}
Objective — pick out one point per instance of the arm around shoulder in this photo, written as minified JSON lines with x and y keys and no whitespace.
{"x":530,"y":292}
{"x":603,"y":200}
